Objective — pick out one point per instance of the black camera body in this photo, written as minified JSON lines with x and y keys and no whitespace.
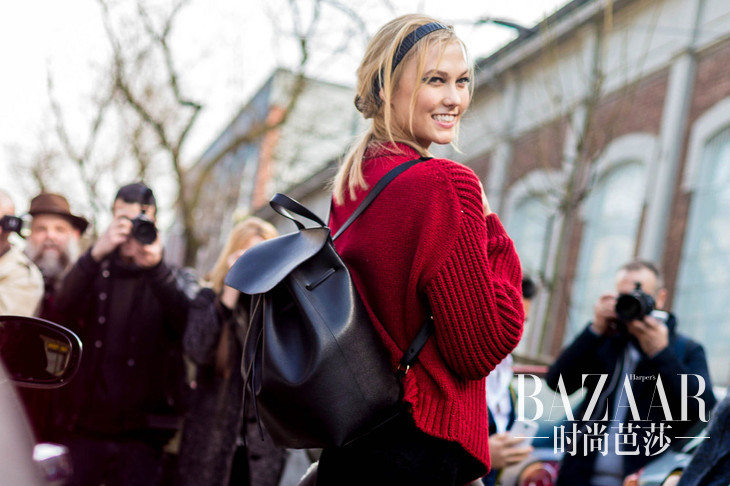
{"x":143,"y":229}
{"x":11,"y":223}
{"x":634,"y":305}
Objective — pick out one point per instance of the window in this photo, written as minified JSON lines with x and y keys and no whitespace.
{"x":703,"y":285}
{"x":531,"y":214}
{"x":611,"y":223}
{"x":528,"y":226}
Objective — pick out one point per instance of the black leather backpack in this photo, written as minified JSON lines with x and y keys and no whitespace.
{"x":317,"y":371}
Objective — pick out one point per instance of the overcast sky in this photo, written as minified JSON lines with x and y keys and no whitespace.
{"x":229,"y":43}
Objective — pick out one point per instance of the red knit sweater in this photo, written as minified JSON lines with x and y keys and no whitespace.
{"x":425,"y":241}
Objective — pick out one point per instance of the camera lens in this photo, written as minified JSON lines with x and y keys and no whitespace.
{"x":11,"y":223}
{"x":143,"y":230}
{"x":628,"y":307}
{"x":634,"y":305}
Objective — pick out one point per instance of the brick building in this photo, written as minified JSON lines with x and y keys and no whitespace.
{"x":248,"y":163}
{"x":602,"y":137}
{"x":605,"y":136}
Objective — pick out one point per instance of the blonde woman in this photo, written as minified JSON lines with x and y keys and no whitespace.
{"x":213,"y":340}
{"x":428,"y":245}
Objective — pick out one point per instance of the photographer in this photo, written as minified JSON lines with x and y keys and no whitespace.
{"x":125,"y":403}
{"x":21,"y":283}
{"x":629,"y":342}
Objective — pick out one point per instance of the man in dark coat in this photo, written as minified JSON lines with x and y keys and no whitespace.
{"x":631,"y":417}
{"x":125,"y":403}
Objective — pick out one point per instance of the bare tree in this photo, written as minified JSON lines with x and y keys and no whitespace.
{"x":89,"y":173}
{"x":168,"y":114}
{"x":40,"y":165}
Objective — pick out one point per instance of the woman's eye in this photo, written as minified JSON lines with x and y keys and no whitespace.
{"x":464,"y":80}
{"x":433,"y":79}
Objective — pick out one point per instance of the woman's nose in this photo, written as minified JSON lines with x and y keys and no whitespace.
{"x":452,"y":95}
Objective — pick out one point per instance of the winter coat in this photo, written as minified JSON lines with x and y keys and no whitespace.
{"x":593,"y":354}
{"x":211,"y":446}
{"x":131,"y":382}
{"x":21,"y":284}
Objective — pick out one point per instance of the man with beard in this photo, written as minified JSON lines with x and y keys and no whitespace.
{"x":21,"y":285}
{"x":53,"y":244}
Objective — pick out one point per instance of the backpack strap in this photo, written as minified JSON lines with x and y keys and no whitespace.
{"x":409,"y":357}
{"x":384,"y":181}
{"x":427,"y":328}
{"x":288,"y":207}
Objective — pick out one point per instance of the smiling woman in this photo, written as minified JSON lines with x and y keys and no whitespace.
{"x":427,"y":246}
{"x":441,"y":95}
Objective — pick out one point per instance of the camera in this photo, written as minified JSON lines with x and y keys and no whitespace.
{"x":11,"y":223}
{"x":143,"y":229}
{"x":634,"y":305}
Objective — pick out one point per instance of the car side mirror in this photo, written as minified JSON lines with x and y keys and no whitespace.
{"x":38,"y":353}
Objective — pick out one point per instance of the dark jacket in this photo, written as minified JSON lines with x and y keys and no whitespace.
{"x":132,"y":377}
{"x":710,"y":465}
{"x":593,"y":354}
{"x":215,"y":422}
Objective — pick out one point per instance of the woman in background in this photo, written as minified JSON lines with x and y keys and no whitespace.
{"x":211,"y":451}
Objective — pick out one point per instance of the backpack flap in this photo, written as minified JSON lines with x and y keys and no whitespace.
{"x":265,"y":265}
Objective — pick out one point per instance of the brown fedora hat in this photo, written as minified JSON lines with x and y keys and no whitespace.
{"x":47,"y":203}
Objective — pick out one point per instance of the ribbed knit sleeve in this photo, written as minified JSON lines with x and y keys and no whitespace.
{"x":475,"y":295}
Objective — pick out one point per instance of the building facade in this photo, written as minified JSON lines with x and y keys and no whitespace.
{"x":250,"y":163}
{"x":605,"y":137}
{"x":601,"y":138}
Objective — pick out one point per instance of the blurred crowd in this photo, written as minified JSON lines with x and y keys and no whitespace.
{"x":157,"y":399}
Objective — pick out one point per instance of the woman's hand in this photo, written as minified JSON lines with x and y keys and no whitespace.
{"x":485,"y":201}
{"x":487,"y":209}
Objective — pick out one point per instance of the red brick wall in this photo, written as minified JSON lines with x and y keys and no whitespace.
{"x":266,"y":167}
{"x":541,"y":148}
{"x":712,"y":79}
{"x":635,"y":108}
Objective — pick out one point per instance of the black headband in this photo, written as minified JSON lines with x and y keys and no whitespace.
{"x":410,"y":40}
{"x":406,"y":44}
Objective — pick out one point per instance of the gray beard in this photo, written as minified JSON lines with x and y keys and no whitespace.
{"x":53,"y":264}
